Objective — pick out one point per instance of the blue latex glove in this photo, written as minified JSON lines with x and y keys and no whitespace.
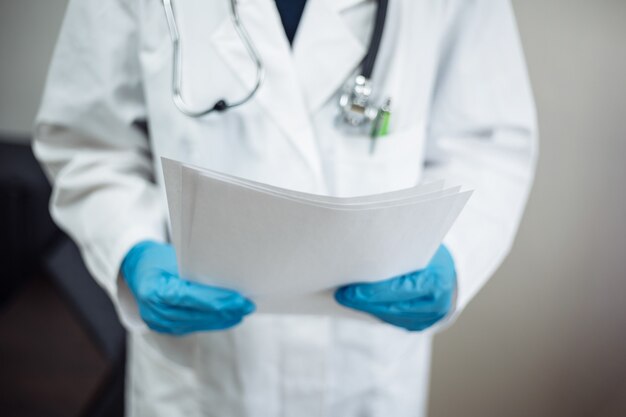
{"x":172,"y":305}
{"x":413,"y":301}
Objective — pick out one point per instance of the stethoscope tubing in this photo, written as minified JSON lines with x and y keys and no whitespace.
{"x":177,"y":79}
{"x":367,"y":64}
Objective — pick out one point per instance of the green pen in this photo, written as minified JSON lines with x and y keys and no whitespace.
{"x":380,"y":127}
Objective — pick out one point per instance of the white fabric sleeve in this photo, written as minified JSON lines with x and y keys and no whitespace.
{"x":482,"y":134}
{"x":87,"y":139}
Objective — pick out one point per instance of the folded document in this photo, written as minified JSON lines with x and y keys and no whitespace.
{"x":289,"y":250}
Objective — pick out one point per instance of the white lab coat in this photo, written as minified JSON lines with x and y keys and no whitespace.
{"x":462,"y":110}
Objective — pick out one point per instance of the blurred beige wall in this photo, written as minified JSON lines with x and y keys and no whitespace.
{"x":28,"y":31}
{"x":547,"y":336}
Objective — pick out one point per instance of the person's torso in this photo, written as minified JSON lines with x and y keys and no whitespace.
{"x":288,"y":136}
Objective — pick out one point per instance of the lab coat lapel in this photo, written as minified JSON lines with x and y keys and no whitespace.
{"x":280,"y":96}
{"x":326,"y":51}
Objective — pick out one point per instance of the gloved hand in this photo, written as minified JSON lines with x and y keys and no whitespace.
{"x":170,"y":304}
{"x":413,"y":301}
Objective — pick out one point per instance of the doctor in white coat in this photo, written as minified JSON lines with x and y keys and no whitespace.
{"x":462,"y":111}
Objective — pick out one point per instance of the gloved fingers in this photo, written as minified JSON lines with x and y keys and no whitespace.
{"x":406,"y":287}
{"x":158,"y":324}
{"x":398,"y":312}
{"x":156,"y":320}
{"x":411,"y":324}
{"x":178,"y":314}
{"x":438,"y":278}
{"x":179,"y":292}
{"x":408,"y":318}
{"x":214,"y":325}
{"x":435,"y":305}
{"x":416,"y":309}
{"x":408,"y":321}
{"x":421,"y":303}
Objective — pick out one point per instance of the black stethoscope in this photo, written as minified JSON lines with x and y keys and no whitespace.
{"x":354,"y":103}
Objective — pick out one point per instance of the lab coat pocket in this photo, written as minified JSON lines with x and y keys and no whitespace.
{"x":393,"y":162}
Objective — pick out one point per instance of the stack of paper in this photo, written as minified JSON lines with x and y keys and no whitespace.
{"x":289,"y":250}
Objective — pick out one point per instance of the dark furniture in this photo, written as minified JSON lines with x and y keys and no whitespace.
{"x":31,"y":244}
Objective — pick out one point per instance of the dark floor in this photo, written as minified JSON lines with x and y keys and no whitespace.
{"x":48,"y":366}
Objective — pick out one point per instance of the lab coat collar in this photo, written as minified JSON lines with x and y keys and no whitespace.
{"x":299,"y":81}
{"x":280,"y":95}
{"x":326,"y":51}
{"x":341,"y":5}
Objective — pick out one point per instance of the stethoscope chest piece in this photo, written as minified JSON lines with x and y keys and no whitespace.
{"x":357,"y":113}
{"x":354,"y":103}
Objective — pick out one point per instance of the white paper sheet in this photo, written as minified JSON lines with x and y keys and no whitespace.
{"x":289,"y":250}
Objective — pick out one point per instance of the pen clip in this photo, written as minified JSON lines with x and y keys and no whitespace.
{"x":380,"y":125}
